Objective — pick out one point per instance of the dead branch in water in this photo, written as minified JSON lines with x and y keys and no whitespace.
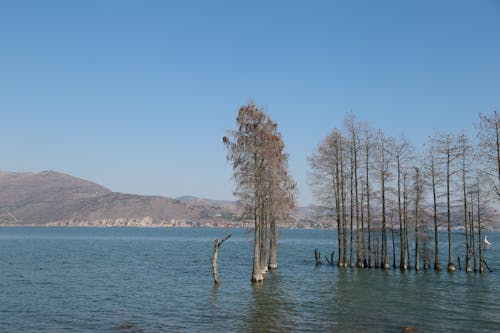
{"x":213,"y":258}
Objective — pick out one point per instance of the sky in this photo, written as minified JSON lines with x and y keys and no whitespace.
{"x":136,"y":95}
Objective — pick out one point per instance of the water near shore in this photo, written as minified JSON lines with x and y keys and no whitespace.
{"x":159,"y":280}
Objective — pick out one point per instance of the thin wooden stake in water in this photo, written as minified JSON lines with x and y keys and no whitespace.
{"x":317,"y":257}
{"x":213,"y":258}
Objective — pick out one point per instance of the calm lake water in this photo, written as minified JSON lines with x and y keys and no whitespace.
{"x":160,"y":280}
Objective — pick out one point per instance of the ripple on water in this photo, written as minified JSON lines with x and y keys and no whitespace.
{"x":136,"y":280}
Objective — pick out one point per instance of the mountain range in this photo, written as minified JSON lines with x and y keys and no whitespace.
{"x":51,"y":198}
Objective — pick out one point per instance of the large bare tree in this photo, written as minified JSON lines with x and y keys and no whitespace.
{"x":263,"y":185}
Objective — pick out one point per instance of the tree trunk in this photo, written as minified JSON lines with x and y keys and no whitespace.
{"x":402,"y":247}
{"x":481,"y":268}
{"x":363,"y":247}
{"x":351,"y":215}
{"x":368,"y":213}
{"x":437,"y":263}
{"x":393,"y":244}
{"x":273,"y":246}
{"x":257,"y":271}
{"x":497,"y":136}
{"x":343,"y":200}
{"x":405,"y":221}
{"x":451,"y":266}
{"x":359,"y":260}
{"x":263,"y":239}
{"x":213,"y":258}
{"x":385,"y":263}
{"x":468,"y":268}
{"x":417,"y":198}
{"x":473,"y":237}
{"x":338,"y":203}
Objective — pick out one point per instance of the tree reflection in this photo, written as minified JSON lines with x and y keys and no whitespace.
{"x":270,"y":310}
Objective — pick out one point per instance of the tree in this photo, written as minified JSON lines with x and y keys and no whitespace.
{"x":464,"y":151}
{"x":367,"y":147}
{"x":448,"y":151}
{"x":383,"y":146}
{"x":282,"y":198}
{"x":432,"y":172}
{"x":489,"y":137}
{"x":403,"y":155}
{"x":263,"y":185}
{"x":418,"y":215}
{"x":326,"y":178}
{"x":353,"y":132}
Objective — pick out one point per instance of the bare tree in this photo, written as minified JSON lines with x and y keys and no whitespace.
{"x":464,"y":151}
{"x":433,"y":173}
{"x":353,"y":132}
{"x":367,"y":145}
{"x":419,"y":230}
{"x":403,"y":152}
{"x":448,"y":151}
{"x":326,"y":178}
{"x":489,"y":137}
{"x":282,"y":194}
{"x":259,"y":169}
{"x":383,"y":167}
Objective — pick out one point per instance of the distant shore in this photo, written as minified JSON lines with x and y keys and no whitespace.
{"x":196,"y":225}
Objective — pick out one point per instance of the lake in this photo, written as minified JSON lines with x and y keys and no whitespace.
{"x":160,"y":280}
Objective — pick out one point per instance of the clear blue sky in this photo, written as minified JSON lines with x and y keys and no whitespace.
{"x":136,"y":95}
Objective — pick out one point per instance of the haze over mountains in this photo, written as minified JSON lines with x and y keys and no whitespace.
{"x":53,"y":198}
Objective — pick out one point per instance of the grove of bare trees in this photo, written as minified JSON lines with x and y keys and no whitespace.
{"x":375,"y":186}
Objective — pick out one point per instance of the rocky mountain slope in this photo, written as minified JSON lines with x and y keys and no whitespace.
{"x":52,"y":198}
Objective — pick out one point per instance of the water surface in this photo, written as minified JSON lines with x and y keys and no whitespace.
{"x":159,"y":280}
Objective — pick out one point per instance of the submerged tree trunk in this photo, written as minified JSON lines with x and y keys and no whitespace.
{"x":451,"y":266}
{"x":343,"y":203}
{"x":264,"y":237}
{"x":256,"y":270}
{"x":405,"y":221}
{"x":417,"y":203}
{"x":273,"y":246}
{"x":473,"y":236}
{"x":402,"y":247}
{"x":393,"y":244}
{"x":213,"y":258}
{"x":464,"y":151}
{"x":368,"y":213}
{"x":437,"y":263}
{"x":481,"y":267}
{"x":351,"y":215}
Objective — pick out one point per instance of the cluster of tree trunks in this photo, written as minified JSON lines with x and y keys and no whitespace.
{"x":263,"y":185}
{"x":364,"y":180}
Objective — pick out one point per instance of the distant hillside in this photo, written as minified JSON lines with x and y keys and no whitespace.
{"x":52,"y":198}
{"x":55,"y":199}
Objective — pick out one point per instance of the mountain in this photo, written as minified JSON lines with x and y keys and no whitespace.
{"x":53,"y":198}
{"x":210,"y":202}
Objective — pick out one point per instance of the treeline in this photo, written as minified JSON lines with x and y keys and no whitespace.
{"x":382,"y":193}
